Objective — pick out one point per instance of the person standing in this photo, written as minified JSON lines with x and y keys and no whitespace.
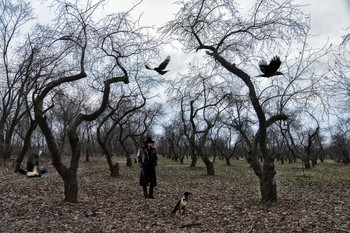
{"x":147,"y":159}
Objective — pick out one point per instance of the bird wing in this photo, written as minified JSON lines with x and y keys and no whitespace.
{"x":275,"y":63}
{"x":262,"y":66}
{"x":147,"y":67}
{"x":177,"y":206}
{"x":163,"y":65}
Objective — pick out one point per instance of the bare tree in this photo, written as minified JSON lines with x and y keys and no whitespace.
{"x":13,"y":70}
{"x":67,"y":107}
{"x":89,"y":140}
{"x":102,"y":51}
{"x":339,"y":87}
{"x":201,"y":104}
{"x":339,"y":148}
{"x":173,"y":143}
{"x":221,"y":142}
{"x":237,"y":117}
{"x":30,"y":71}
{"x":218,"y":27}
{"x":126,"y":105}
{"x":141,"y":125}
{"x":137,"y":125}
{"x":339,"y":90}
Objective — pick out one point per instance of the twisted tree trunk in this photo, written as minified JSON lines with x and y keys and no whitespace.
{"x":26,"y":145}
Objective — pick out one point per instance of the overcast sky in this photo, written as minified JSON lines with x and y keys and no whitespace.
{"x":330,"y":19}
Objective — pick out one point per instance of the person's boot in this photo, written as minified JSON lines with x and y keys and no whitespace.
{"x":151,"y":192}
{"x":145,"y":191}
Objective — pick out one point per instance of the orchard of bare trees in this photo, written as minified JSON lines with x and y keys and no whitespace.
{"x":77,"y":86}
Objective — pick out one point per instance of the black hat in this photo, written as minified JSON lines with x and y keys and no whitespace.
{"x":149,"y":139}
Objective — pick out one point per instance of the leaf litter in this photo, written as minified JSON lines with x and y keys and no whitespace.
{"x":315,"y":200}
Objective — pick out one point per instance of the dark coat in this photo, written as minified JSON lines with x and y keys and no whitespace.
{"x":148,"y":162}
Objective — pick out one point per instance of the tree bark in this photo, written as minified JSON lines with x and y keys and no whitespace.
{"x":268,"y":187}
{"x":210,"y":167}
{"x":87,"y":148}
{"x":267,"y":172}
{"x":114,"y":168}
{"x":5,"y":144}
{"x":26,"y":145}
{"x":208,"y":163}
{"x":306,"y":162}
{"x":346,"y":157}
{"x":2,"y":141}
{"x":193,"y":157}
{"x":70,"y":186}
{"x":128,"y":161}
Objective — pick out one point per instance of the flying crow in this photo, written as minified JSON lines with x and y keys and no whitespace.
{"x":270,"y":70}
{"x":182,"y":203}
{"x":161,"y":67}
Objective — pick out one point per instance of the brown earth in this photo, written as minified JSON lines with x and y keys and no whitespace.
{"x":316,"y":200}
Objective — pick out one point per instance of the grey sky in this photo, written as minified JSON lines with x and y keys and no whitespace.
{"x":329,"y":19}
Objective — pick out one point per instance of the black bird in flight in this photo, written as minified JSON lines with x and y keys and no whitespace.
{"x":161,"y":67}
{"x":270,"y":70}
{"x":182,"y":203}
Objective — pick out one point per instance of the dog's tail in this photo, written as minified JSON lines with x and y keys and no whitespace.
{"x":22,"y":171}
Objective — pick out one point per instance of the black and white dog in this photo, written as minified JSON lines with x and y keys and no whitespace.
{"x":33,"y":169}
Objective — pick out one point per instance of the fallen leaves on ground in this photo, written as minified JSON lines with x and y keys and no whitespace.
{"x":315,"y":200}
